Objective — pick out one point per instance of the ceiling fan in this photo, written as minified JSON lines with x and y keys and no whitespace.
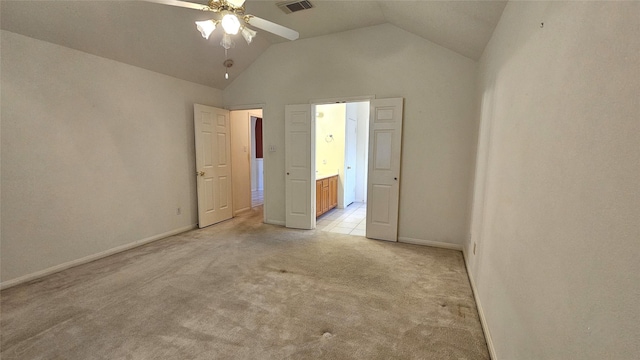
{"x":232,"y":19}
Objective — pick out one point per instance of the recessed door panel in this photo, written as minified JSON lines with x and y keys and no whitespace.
{"x":209,"y":195}
{"x":383,"y":143}
{"x":384,"y":115}
{"x":381,"y":194}
{"x":299,"y":190}
{"x":224,"y":191}
{"x":223,"y":156}
{"x":300,"y":141}
{"x":206,"y":148}
{"x":222,"y":120}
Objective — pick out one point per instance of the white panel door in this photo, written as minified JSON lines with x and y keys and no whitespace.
{"x":383,"y":187}
{"x":299,"y":167}
{"x":213,"y":164}
{"x":351,"y":139}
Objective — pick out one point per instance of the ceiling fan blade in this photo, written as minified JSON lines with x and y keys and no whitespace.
{"x":273,"y":28}
{"x":236,"y":3}
{"x":178,"y":3}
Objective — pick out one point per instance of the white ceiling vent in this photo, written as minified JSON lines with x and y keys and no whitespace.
{"x":292,"y":6}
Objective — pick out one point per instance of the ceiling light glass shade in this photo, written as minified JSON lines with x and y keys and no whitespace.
{"x":248,"y":34}
{"x":205,"y":27}
{"x":227,"y":42}
{"x":230,"y":24}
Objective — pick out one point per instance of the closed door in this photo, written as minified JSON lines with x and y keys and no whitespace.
{"x":213,"y":164}
{"x":350,"y":161}
{"x":383,"y":188}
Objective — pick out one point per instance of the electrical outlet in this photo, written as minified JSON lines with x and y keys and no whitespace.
{"x":474,"y":248}
{"x":179,"y":211}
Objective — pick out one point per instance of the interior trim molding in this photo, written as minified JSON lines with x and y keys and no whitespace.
{"x":93,"y":257}
{"x":437,"y":244}
{"x":483,"y":319}
{"x":345,"y":99}
{"x":246,"y":107}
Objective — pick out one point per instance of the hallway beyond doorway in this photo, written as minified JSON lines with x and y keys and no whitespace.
{"x":257,"y":198}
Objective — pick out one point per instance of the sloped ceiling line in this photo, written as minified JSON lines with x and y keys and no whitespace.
{"x":105,"y":28}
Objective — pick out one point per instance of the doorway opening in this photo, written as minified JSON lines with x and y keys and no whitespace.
{"x":257,"y":162}
{"x":341,"y":163}
{"x":247,"y":159}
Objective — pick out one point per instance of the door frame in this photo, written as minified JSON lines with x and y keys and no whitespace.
{"x":344,"y":100}
{"x":249,"y":107}
{"x":339,"y":100}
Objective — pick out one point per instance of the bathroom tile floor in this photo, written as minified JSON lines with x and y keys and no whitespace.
{"x":351,"y":220}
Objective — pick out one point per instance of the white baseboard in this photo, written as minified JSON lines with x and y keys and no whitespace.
{"x":437,"y":244}
{"x":483,"y":320}
{"x":236,"y":212}
{"x":90,"y":258}
{"x":275,"y":222}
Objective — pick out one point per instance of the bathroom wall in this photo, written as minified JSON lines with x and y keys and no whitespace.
{"x":330,"y":123}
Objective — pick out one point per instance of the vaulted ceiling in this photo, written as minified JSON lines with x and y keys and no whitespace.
{"x":163,"y":38}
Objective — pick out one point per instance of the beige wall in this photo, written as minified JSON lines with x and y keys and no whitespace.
{"x":556,"y":215}
{"x":385,"y":61}
{"x":96,"y":154}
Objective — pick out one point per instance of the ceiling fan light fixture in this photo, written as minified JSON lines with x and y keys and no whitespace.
{"x":248,"y":34}
{"x":235,"y":3}
{"x":227,"y":64}
{"x":230,"y":23}
{"x":226,"y":42}
{"x":206,"y":27}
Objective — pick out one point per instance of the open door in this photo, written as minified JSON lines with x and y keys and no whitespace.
{"x":213,"y":164}
{"x":299,"y":167}
{"x":383,"y":188}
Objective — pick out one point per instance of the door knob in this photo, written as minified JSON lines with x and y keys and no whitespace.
{"x":395,"y":178}
{"x":348,"y":167}
{"x":200,"y":173}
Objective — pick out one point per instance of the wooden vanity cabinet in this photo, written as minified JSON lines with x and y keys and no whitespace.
{"x":319,"y":206}
{"x":326,"y":194}
{"x":333,"y":192}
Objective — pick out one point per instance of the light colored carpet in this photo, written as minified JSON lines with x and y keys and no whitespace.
{"x":245,"y":290}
